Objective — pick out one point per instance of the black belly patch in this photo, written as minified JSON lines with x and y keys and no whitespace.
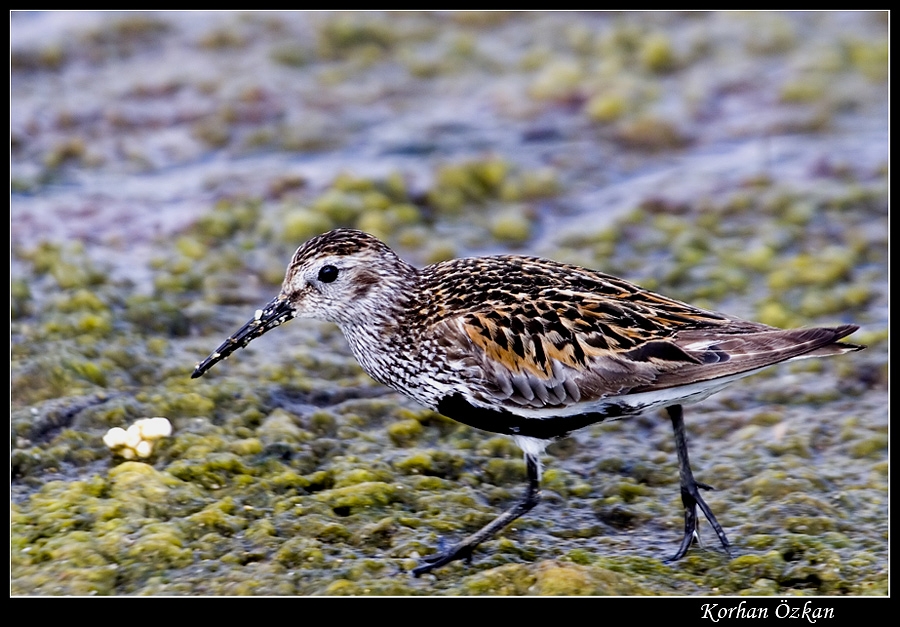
{"x":508,"y":423}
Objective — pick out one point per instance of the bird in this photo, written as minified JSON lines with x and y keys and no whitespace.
{"x":526,"y":347}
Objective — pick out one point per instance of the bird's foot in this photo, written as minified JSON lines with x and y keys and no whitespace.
{"x":461,"y":551}
{"x":690,"y":497}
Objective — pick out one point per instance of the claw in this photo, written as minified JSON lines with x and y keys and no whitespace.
{"x":436,"y":560}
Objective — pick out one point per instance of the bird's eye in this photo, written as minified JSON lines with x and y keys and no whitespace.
{"x":328,"y":274}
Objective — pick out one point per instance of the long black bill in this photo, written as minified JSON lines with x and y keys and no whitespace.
{"x":275,"y":313}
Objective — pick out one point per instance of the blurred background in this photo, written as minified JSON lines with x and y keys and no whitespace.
{"x":165,"y":166}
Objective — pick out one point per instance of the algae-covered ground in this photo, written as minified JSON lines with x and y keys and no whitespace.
{"x":166,"y":165}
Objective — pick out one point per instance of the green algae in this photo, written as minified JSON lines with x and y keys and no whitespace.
{"x":547,"y":578}
{"x":656,"y":53}
{"x":68,"y":265}
{"x":511,"y":227}
{"x":367,"y":494}
{"x":302,"y":224}
{"x":405,"y":432}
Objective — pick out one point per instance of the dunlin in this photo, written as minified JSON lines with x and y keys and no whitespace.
{"x":526,"y":347}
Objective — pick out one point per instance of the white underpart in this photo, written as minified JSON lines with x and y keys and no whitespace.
{"x":532,"y":447}
{"x":690,"y":393}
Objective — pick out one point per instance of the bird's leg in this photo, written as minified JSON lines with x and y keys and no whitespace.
{"x":464,"y":548}
{"x":690,"y":491}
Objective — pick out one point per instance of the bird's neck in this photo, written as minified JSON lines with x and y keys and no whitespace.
{"x":378,"y":336}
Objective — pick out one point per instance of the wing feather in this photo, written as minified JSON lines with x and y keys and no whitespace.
{"x":547,"y":335}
